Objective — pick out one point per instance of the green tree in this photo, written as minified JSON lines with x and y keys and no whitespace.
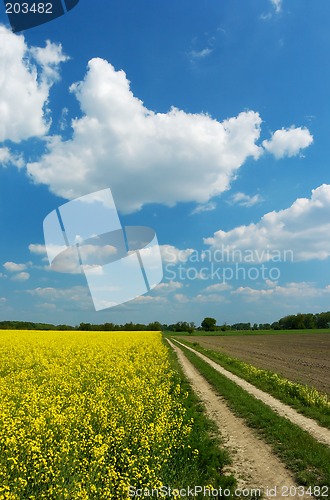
{"x":209,"y":324}
{"x":85,"y":327}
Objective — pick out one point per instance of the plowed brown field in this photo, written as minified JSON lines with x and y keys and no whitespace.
{"x":302,"y":358}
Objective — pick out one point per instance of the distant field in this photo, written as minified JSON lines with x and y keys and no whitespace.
{"x":235,"y":333}
{"x":303,"y":358}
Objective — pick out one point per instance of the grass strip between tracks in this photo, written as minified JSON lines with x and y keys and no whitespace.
{"x":306,"y":400}
{"x":303,"y":455}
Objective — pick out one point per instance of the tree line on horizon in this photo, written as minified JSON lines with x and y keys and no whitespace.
{"x":298,"y":321}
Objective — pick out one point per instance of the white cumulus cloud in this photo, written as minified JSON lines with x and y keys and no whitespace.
{"x":302,"y":230}
{"x":173,"y":255}
{"x":289,"y":290}
{"x":168,"y":287}
{"x":49,"y":58}
{"x":218,"y":287}
{"x":37,"y":249}
{"x":8,"y":158}
{"x":14,"y":267}
{"x":288,"y":142}
{"x":144,"y":156}
{"x":61,"y":297}
{"x":26,"y":75}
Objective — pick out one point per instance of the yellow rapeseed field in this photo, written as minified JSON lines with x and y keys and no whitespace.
{"x":84,"y":415}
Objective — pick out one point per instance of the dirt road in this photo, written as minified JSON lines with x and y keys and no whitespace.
{"x":254,"y":464}
{"x":321,"y":434}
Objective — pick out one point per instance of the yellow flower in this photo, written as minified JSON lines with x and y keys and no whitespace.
{"x":86,"y":413}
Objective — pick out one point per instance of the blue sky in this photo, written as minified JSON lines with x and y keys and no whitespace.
{"x":210,"y":123}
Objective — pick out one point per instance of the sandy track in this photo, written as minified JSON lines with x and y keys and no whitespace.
{"x":254,"y":463}
{"x":321,"y":434}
